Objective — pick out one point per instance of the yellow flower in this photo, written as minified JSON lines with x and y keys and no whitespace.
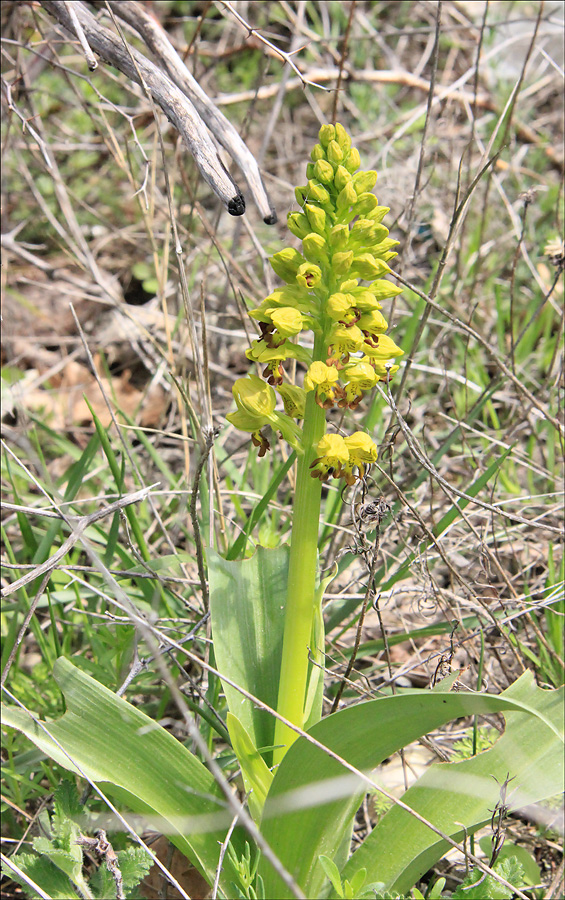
{"x":332,"y":456}
{"x":323,"y":380}
{"x":343,"y":340}
{"x":287,"y":321}
{"x":381,"y":347}
{"x":362,"y":452}
{"x":254,"y":397}
{"x":360,"y":377}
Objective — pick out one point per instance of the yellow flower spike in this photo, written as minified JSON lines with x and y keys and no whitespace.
{"x":332,"y":455}
{"x":362,"y":452}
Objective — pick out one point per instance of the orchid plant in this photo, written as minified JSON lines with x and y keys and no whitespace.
{"x":304,"y":776}
{"x":333,"y":289}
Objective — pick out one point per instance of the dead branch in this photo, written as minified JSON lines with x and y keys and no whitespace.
{"x":176,"y":106}
{"x":157,"y":41}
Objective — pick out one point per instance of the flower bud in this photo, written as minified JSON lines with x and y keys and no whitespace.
{"x":342,"y":177}
{"x":317,"y":153}
{"x":317,"y":193}
{"x":334,"y":153}
{"x":341,"y":262}
{"x":316,"y":218}
{"x":286,"y":262}
{"x":378,"y":213}
{"x":367,"y":232}
{"x":342,"y":137}
{"x":298,"y":224}
{"x":383,"y":289}
{"x":365,"y":266}
{"x":315,"y":248}
{"x":353,"y":160}
{"x":385,"y":246}
{"x":326,"y":134}
{"x":365,"y":204}
{"x":338,"y":305}
{"x":339,"y":237}
{"x":347,"y":197}
{"x":310,"y":170}
{"x":364,"y":181}
{"x":323,"y":171}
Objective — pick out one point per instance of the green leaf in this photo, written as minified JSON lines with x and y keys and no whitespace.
{"x":487,"y":887}
{"x":247,"y":604}
{"x":332,"y":873}
{"x":132,"y":757}
{"x":451,"y":795}
{"x":44,"y":873}
{"x":256,"y":775}
{"x":366,"y":734}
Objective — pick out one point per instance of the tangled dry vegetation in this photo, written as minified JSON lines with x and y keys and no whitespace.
{"x":125,"y":285}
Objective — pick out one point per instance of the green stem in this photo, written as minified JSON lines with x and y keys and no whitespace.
{"x":301,"y":591}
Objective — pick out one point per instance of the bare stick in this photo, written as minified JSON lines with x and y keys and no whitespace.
{"x":156,"y":39}
{"x":176,"y":106}
{"x":88,"y":54}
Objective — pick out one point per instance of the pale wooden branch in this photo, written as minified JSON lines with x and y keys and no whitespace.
{"x":155,"y":38}
{"x":176,"y":106}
